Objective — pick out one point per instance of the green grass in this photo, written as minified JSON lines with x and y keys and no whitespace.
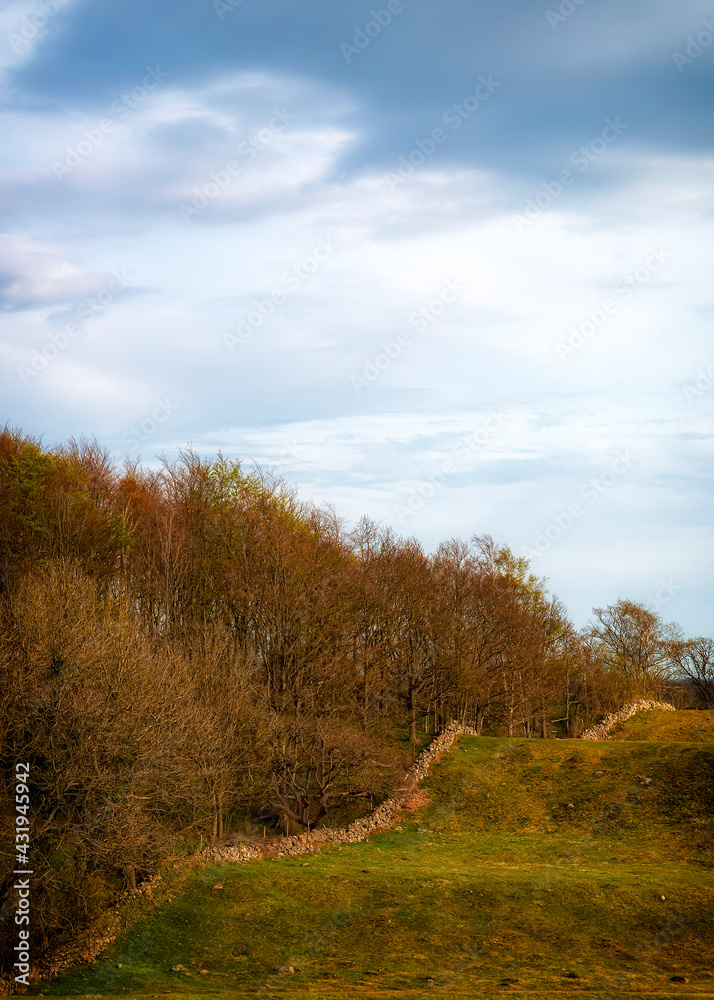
{"x":526,"y":866}
{"x":668,"y":727}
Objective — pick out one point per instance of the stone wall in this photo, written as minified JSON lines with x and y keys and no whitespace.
{"x":384,"y":815}
{"x":382,"y":818}
{"x":600,"y":731}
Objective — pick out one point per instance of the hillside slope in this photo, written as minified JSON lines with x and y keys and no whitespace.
{"x":538,"y":868}
{"x":668,"y":727}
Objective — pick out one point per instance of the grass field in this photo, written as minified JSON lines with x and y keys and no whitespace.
{"x":668,"y":727}
{"x":538,"y":869}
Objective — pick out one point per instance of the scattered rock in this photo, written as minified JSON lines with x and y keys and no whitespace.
{"x":174,"y":968}
{"x":288,"y":969}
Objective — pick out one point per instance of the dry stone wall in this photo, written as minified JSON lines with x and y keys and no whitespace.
{"x":601,"y":730}
{"x":382,"y":818}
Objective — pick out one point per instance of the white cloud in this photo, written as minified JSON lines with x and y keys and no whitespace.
{"x":23,"y":25}
{"x":159,"y":145}
{"x":35,"y":274}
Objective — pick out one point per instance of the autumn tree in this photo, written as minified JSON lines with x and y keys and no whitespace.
{"x":322,"y":764}
{"x":370,"y":617}
{"x":78,"y":703}
{"x":58,"y":505}
{"x":694,"y":660}
{"x":415,"y":620}
{"x":634,"y":643}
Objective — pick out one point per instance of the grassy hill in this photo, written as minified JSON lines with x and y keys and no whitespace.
{"x":667,"y":727}
{"x":537,"y":869}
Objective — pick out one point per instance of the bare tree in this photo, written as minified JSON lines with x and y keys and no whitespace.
{"x":634,"y":642}
{"x":320,"y":763}
{"x":694,"y":659}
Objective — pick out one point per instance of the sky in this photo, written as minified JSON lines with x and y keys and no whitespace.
{"x":446,"y":263}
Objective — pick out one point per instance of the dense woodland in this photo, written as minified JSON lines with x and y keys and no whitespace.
{"x":192,"y":649}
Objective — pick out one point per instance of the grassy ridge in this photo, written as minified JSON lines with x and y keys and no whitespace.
{"x":667,"y":727}
{"x":538,"y":868}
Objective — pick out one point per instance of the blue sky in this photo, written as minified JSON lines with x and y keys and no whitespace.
{"x":446,"y":264}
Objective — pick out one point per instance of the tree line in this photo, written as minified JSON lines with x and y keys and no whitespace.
{"x":187,"y":646}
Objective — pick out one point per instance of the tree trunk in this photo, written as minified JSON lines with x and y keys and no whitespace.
{"x":217,"y":825}
{"x":412,"y":715}
{"x":130,"y":877}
